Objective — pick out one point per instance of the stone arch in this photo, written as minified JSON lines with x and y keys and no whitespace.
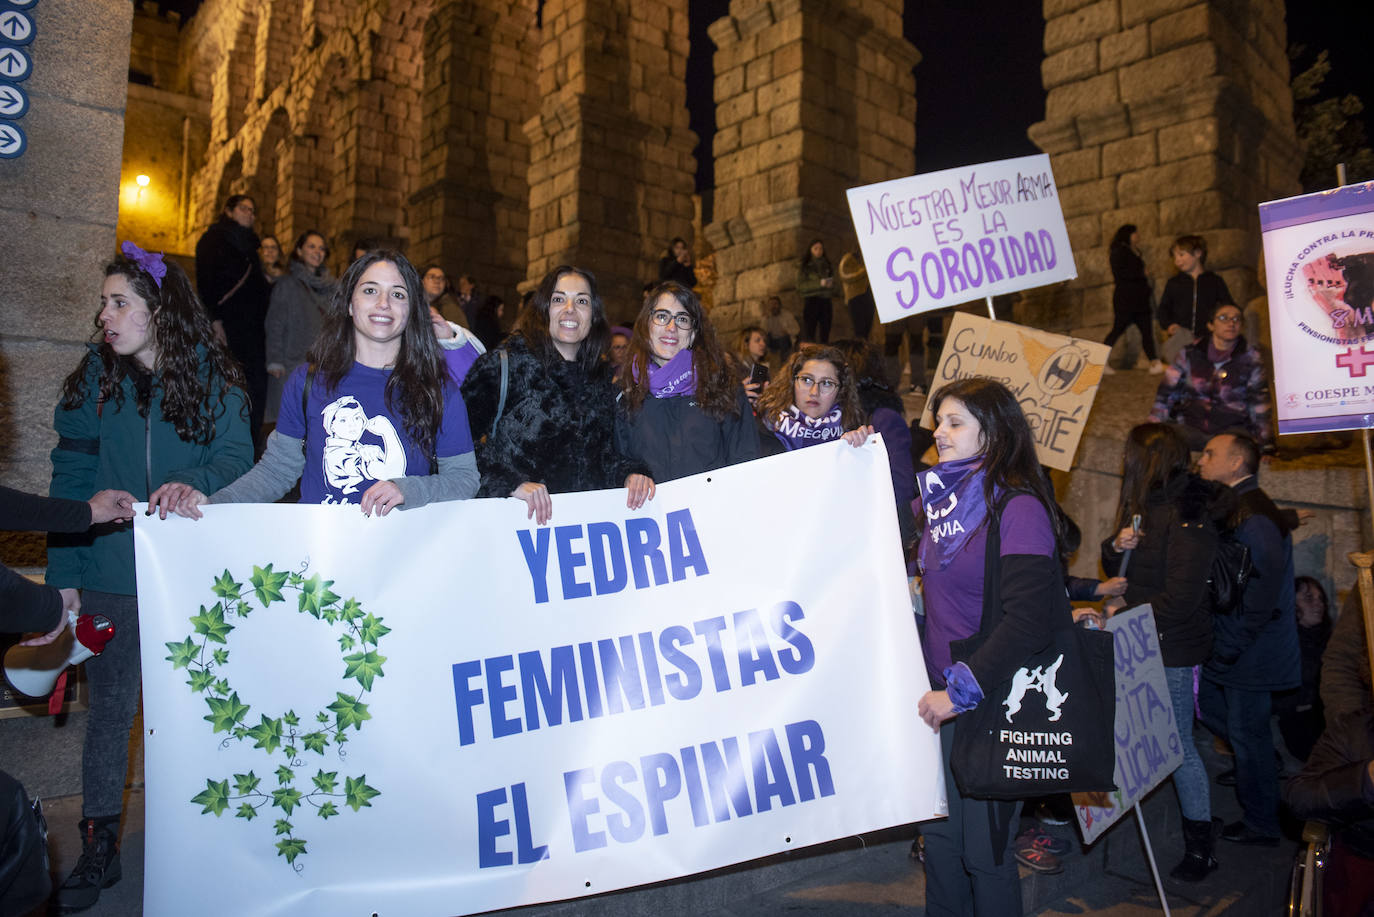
{"x":320,"y":164}
{"x":327,"y":16}
{"x":276,"y":43}
{"x":235,"y":81}
{"x":231,"y":181}
{"x":269,"y":177}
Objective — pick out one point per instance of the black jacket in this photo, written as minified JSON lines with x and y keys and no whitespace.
{"x":1168,"y":570}
{"x":558,"y":426}
{"x":1334,"y":785}
{"x":676,"y":438}
{"x":26,"y":606}
{"x":1131,"y":294}
{"x":1190,"y":302}
{"x":225,"y":255}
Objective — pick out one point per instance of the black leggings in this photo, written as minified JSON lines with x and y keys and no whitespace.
{"x":817,"y":311}
{"x":1122,"y":321}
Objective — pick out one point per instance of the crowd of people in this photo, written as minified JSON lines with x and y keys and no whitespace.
{"x":389,"y":390}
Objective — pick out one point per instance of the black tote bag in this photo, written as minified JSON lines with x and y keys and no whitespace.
{"x":1048,"y":728}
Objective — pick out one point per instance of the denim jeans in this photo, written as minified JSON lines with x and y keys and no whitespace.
{"x":114,"y":677}
{"x":1241,"y":716}
{"x":1190,"y":780}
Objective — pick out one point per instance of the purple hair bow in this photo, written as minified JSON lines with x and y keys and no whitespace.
{"x":150,"y":263}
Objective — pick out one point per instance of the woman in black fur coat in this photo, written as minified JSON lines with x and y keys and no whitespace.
{"x":554,"y":429}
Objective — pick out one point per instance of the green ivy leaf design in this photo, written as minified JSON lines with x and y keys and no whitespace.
{"x":316,"y":594}
{"x":286,"y":798}
{"x":267,"y":734}
{"x":324,"y":781}
{"x":246,"y":812}
{"x":327,"y":810}
{"x":282,"y":826}
{"x":200,"y":679}
{"x":222,"y":686}
{"x":215,"y":797}
{"x":351,"y":611}
{"x":225,"y":587}
{"x":267,"y":585}
{"x":372,"y":629}
{"x":364,"y":667}
{"x":246,"y":783}
{"x":290,"y":848}
{"x":225,"y":712}
{"x":349,"y":711}
{"x":290,"y":718}
{"x":212,"y":624}
{"x":315,"y":741}
{"x":183,"y":654}
{"x":285,"y":775}
{"x":322,"y":717}
{"x":357,"y":793}
{"x":221,"y":656}
{"x":346,"y":642}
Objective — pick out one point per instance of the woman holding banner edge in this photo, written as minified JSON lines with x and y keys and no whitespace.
{"x":987,"y":464}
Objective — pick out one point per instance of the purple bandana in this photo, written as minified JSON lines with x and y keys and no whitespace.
{"x":952,"y":493}
{"x":796,"y":431}
{"x":676,"y":377}
{"x":151,"y":264}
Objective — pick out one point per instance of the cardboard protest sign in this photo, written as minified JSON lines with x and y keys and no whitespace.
{"x":948,"y":237}
{"x":1319,"y":266}
{"x":451,"y":710}
{"x":1055,"y":377}
{"x":1147,"y":743}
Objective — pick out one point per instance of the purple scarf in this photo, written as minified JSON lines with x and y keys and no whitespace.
{"x":796,"y":431}
{"x":676,"y":377}
{"x":952,"y":493}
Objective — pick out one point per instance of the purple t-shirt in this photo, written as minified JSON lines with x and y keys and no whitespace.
{"x":354,"y":440}
{"x":954,"y":595}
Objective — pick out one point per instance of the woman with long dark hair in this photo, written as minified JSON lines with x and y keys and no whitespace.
{"x":1131,"y":295}
{"x":542,"y":404}
{"x":293,"y":318}
{"x":988,"y":474}
{"x":681,"y":410}
{"x":1171,"y":557}
{"x":816,"y":285}
{"x":157,"y":399}
{"x":813,"y":399}
{"x":374,"y":418}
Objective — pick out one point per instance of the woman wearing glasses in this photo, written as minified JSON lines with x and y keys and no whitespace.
{"x":542,"y":405}
{"x":814,"y":399}
{"x":681,"y":409}
{"x":1217,"y":383}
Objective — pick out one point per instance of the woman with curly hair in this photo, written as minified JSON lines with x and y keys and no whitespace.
{"x":372,"y":418}
{"x":813,"y":399}
{"x":542,"y":405}
{"x":681,"y":410}
{"x":155,"y":399}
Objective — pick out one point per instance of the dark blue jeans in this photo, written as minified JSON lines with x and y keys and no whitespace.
{"x":114,"y":678}
{"x":1241,"y":717}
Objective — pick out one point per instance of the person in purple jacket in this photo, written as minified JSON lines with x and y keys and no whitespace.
{"x":987,"y":458}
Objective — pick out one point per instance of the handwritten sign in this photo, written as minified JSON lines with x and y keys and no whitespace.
{"x":1147,"y":743}
{"x":945,"y":238}
{"x":1319,"y":259}
{"x":1054,"y":377}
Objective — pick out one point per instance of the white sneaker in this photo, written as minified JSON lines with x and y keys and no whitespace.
{"x":1156,"y":367}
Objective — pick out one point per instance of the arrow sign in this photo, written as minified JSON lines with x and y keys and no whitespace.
{"x":16,"y":27}
{"x":14,"y":102}
{"x":12,"y":141}
{"x":15,"y":65}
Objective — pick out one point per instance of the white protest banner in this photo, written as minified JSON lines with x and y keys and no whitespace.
{"x":1319,"y":266}
{"x":1054,"y":377}
{"x":945,"y":238}
{"x":1147,"y":743}
{"x":451,"y":710}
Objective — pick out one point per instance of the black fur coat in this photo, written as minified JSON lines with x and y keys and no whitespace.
{"x":557,"y":428}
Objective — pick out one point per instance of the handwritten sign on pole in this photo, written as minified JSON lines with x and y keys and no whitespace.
{"x":1055,"y":377}
{"x":949,"y":237}
{"x":1147,"y":743}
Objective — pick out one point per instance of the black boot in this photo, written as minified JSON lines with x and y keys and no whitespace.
{"x":97,"y":869}
{"x":1198,"y":861}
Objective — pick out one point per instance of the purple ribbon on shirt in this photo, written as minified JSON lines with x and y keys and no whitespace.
{"x":676,"y":377}
{"x":796,"y":431}
{"x":952,"y":494}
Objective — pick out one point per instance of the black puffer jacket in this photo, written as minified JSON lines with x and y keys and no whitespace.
{"x":676,"y":438}
{"x":558,"y":426}
{"x":1168,"y":571}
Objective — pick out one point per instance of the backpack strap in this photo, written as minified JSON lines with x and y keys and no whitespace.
{"x":505,"y":386}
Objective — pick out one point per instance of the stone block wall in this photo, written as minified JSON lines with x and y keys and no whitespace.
{"x":611,"y":165}
{"x":811,"y":98}
{"x":1174,"y":115}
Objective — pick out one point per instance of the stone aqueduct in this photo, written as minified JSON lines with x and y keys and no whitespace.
{"x":501,"y":138}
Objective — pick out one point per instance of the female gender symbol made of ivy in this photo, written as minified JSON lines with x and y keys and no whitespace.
{"x":283,"y":735}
